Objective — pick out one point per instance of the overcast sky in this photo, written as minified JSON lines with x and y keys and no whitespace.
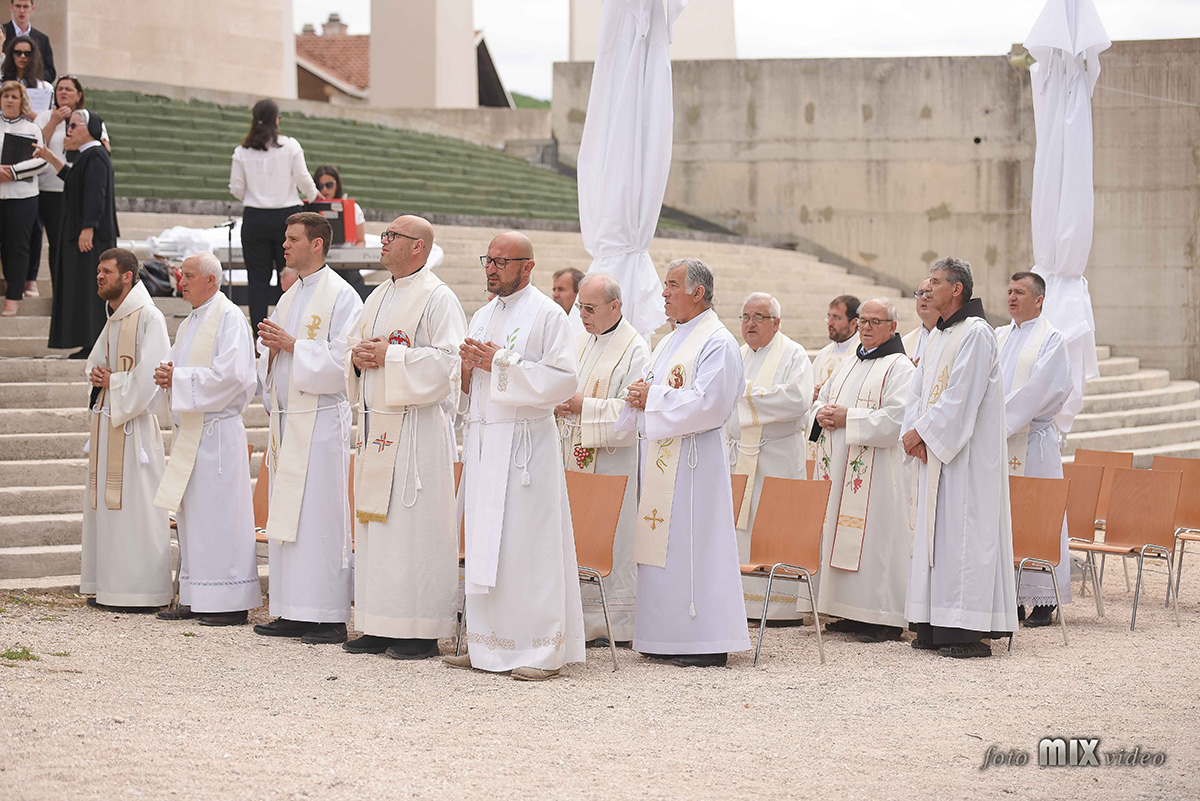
{"x":526,"y":37}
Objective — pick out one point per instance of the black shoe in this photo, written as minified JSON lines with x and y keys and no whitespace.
{"x":602,"y":642}
{"x":880,"y":634}
{"x":123,"y":610}
{"x":846,"y":626}
{"x":325,"y":634}
{"x":701,"y":660}
{"x":224,"y":618}
{"x":82,"y":353}
{"x":660,"y":657}
{"x":923,"y":645}
{"x":178,"y":613}
{"x":368,"y":644}
{"x":966,"y":650}
{"x":282,"y":627}
{"x":1041,"y":616}
{"x":1021,"y":613}
{"x":784,"y":624}
{"x":414,"y":649}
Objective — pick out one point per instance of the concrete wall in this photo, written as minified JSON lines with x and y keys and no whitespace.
{"x":213,"y":44}
{"x":893,"y":163}
{"x":433,"y":39}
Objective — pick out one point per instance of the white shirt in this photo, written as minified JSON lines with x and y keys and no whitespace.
{"x":276,"y":178}
{"x":28,"y":169}
{"x":49,"y":181}
{"x":17,"y":28}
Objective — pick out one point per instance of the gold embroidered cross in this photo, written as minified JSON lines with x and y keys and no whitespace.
{"x":653,"y":519}
{"x":1014,"y":463}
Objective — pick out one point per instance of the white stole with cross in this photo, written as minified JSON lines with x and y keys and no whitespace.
{"x":1018,"y":443}
{"x":751,"y":439}
{"x":596,"y":385}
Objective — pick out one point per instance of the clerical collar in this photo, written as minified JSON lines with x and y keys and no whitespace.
{"x":508,"y":300}
{"x":844,"y":345}
{"x":893,"y":345}
{"x":411,"y":275}
{"x":614,"y":327}
{"x":313,"y":275}
{"x":692,"y":322}
{"x":972,"y":308}
{"x":1030,"y":323}
{"x":208,"y":303}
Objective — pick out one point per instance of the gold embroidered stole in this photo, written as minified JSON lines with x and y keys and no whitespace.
{"x":597,"y":385}
{"x":114,"y":466}
{"x":751,"y":439}
{"x":375,"y":467}
{"x":289,"y":459}
{"x":1018,"y":443}
{"x":662,"y":458}
{"x":824,"y":366}
{"x":846,"y":549}
{"x":186,"y":444}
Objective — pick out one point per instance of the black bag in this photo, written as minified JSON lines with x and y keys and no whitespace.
{"x":156,"y":275}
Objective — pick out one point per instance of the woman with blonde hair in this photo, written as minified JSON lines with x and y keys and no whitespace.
{"x":18,"y":189}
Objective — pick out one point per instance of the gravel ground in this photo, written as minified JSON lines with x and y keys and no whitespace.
{"x":129,"y":706}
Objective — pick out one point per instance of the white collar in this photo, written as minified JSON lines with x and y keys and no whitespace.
{"x":17,"y":28}
{"x":88,"y":145}
{"x":206,"y":305}
{"x":312,"y":277}
{"x":690,"y":324}
{"x":397,"y":283}
{"x":1025,"y":326}
{"x":508,"y":300}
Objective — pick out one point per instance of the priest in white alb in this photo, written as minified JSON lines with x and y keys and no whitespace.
{"x":865,"y":545}
{"x":914,"y":340}
{"x":402,"y":374}
{"x":522,"y":580}
{"x":612,"y":355}
{"x":766,"y":432}
{"x":301,"y":373}
{"x":126,"y":553}
{"x":1037,"y":382}
{"x":690,"y":608}
{"x":205,"y":386}
{"x":961,"y":586}
{"x":841,"y":323}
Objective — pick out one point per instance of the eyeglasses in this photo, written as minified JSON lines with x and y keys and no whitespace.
{"x":500,"y":264}
{"x":327,"y":185}
{"x":833,"y":318}
{"x":923,"y":293}
{"x":587,"y":307}
{"x":866,"y":322}
{"x":388,"y":237}
{"x":73,"y":125}
{"x":22,"y":53}
{"x":756,"y":318}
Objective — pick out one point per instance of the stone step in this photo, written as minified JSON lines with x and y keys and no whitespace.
{"x":1175,"y":392}
{"x":69,"y":445}
{"x":1133,"y":382}
{"x":38,"y":472}
{"x":62,"y":420}
{"x":29,"y":530}
{"x":1103,"y":352}
{"x":24,"y":327}
{"x":1143,"y":458}
{"x":32,"y":346}
{"x":47,"y":500}
{"x":71,"y":582}
{"x":1118,"y":366}
{"x":1143,"y":416}
{"x":1135,"y":438}
{"x":44,"y":395}
{"x":37,"y":561}
{"x":42,"y":370}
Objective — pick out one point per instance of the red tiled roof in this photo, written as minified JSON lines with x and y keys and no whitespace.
{"x":346,"y":56}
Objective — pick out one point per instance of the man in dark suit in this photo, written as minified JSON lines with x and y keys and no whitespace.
{"x":21,"y":24}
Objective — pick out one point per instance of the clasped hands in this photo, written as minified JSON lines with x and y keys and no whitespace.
{"x":572,"y":405}
{"x":99,"y":376}
{"x":637,"y":393}
{"x":831,"y":416}
{"x":163,"y":374}
{"x":275,"y":337}
{"x":477,"y":355}
{"x":369,"y":354}
{"x":914,"y":446}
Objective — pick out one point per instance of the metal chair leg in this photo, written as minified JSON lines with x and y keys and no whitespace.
{"x":1020,"y":573}
{"x":1179,"y":571}
{"x":812,"y":598}
{"x":612,"y":643}
{"x":1058,"y":602}
{"x":1096,"y":585}
{"x":762,"y":625}
{"x":1137,"y":593}
{"x":1125,"y":567}
{"x":462,"y":626}
{"x":1170,"y":559}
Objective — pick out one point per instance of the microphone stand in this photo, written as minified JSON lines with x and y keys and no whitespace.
{"x":228,"y":226}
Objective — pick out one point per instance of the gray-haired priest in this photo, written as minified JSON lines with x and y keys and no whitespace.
{"x":961,"y":587}
{"x":612,"y":355}
{"x":1037,"y":382}
{"x":865,"y":544}
{"x":766,"y":430}
{"x":126,"y":553}
{"x":206,"y":385}
{"x":402,"y":372}
{"x":689,"y":607}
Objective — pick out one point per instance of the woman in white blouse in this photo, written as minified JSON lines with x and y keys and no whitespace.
{"x":271,"y":179}
{"x":18,"y":193}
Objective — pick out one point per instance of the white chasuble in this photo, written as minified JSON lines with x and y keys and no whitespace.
{"x":874,"y":392}
{"x":1037,"y":382}
{"x":126,"y":551}
{"x":310,"y":576}
{"x":914,"y":343}
{"x":522,"y":583}
{"x":693,"y":604}
{"x":211,"y":390}
{"x":777,"y":404}
{"x":967,"y":534}
{"x":591,"y":443}
{"x":406,"y":564}
{"x":828,"y":360}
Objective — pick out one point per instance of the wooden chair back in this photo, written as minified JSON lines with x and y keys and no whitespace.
{"x":738,"y":482}
{"x":809,"y":466}
{"x":462,"y":521}
{"x":262,"y":495}
{"x":1187,"y":514}
{"x":1082,"y":498}
{"x":787,"y":527}
{"x":1142,"y":508}
{"x":1108,"y":460}
{"x":595,"y":509}
{"x":1038,"y":506}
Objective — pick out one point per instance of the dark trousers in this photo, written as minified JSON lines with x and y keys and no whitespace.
{"x":17,"y":216}
{"x":50,"y":219}
{"x":262,"y":252}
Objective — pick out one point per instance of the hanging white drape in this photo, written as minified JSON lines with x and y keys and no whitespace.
{"x":1066,"y":40}
{"x":625,"y":152}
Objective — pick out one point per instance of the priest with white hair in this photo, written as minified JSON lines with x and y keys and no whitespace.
{"x":690,"y":608}
{"x":865,"y":542}
{"x":961,"y":586}
{"x":766,"y":431}
{"x":612,"y":355}
{"x":205,"y":385}
{"x":1037,"y":382}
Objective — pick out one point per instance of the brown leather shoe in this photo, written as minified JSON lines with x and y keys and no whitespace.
{"x":534,"y":674}
{"x":461,"y":662}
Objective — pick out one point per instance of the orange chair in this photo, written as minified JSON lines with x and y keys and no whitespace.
{"x":786,"y":541}
{"x":262,"y":497}
{"x":1038,"y":506}
{"x":1141,"y":522}
{"x":738,"y":482}
{"x":1082,"y":498}
{"x":809,"y":466}
{"x":595,"y":509}
{"x":1187,"y":514}
{"x":1109,"y":460}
